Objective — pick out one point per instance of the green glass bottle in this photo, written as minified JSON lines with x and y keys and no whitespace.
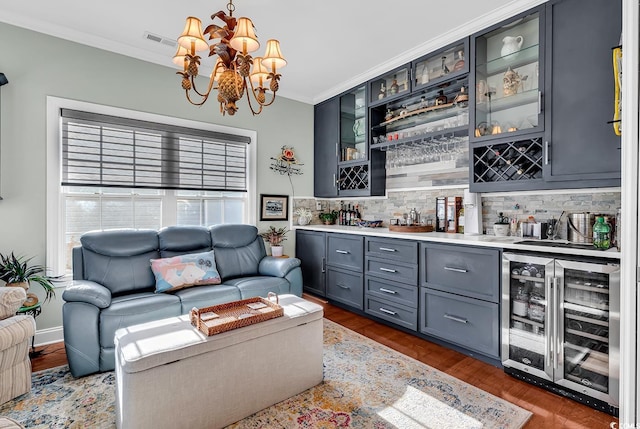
{"x":601,"y":234}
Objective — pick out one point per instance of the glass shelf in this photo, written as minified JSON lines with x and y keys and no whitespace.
{"x":517,"y":59}
{"x":509,"y":102}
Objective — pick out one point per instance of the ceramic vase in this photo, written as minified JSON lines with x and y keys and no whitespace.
{"x":276,"y":250}
{"x":501,"y":229}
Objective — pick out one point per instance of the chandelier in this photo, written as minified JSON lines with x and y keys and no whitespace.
{"x":235,"y":71}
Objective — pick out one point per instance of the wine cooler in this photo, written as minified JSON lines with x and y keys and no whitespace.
{"x":561,"y":326}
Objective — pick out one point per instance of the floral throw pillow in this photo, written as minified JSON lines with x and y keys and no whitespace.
{"x":183,"y":271}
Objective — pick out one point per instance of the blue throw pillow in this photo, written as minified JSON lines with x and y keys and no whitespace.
{"x":183,"y":271}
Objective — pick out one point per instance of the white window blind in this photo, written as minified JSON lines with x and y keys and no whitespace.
{"x":109,"y":151}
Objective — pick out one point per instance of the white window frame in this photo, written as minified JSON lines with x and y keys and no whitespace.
{"x":55,"y":241}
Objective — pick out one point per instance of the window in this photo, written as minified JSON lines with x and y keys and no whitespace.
{"x":113,"y":168}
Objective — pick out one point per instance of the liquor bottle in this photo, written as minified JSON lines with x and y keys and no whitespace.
{"x":441,"y":209}
{"x":460,"y":63}
{"x":341,"y":214}
{"x":441,"y":98}
{"x":394,"y":85}
{"x":601,"y":234}
{"x":445,"y":69}
{"x":425,"y":75}
{"x":358,"y":214}
{"x":348,"y":214}
{"x":383,"y":92}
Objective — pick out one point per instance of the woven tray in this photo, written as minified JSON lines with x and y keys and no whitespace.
{"x":232,"y":315}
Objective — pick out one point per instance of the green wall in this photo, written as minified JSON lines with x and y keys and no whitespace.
{"x":38,"y":66}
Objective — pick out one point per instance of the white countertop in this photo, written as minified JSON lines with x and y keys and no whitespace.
{"x":477,"y":240}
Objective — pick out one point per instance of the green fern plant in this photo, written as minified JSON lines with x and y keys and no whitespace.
{"x":16,"y":269}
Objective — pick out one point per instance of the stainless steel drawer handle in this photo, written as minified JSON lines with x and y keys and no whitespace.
{"x":457,"y":270}
{"x":344,"y":252}
{"x":455,"y":319}
{"x":384,"y":310}
{"x":341,"y":286}
{"x":388,"y":270}
{"x":393,"y":292}
{"x":387,"y":249}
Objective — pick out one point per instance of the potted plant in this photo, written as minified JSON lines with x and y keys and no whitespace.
{"x":501,"y":227}
{"x":275,"y":236}
{"x":328,"y":218}
{"x":16,"y":271}
{"x":304,"y":215}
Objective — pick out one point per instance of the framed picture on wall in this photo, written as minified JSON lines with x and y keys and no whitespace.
{"x":274,"y":207}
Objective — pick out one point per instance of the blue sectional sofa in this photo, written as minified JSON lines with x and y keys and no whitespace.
{"x":114,"y":286}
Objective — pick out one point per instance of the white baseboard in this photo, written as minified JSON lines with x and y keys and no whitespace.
{"x":49,"y":336}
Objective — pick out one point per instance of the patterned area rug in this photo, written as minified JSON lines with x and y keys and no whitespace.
{"x":366,"y":385}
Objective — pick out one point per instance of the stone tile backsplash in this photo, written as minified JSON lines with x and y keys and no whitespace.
{"x":541,"y":206}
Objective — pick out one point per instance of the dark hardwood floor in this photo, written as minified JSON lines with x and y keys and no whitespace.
{"x":549,"y":410}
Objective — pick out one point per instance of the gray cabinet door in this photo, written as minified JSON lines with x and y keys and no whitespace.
{"x":311,"y":250}
{"x":345,"y":287}
{"x":345,"y":251}
{"x":392,"y":249}
{"x":581,"y":144}
{"x":326,"y":132}
{"x":468,"y":271}
{"x":394,"y":292}
{"x":395,"y":313}
{"x":471,"y":323}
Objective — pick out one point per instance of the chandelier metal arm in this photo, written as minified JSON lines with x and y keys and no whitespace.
{"x":234,"y":65}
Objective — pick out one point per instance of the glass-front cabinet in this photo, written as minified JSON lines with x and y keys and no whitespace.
{"x":353,"y":125}
{"x":508,"y":80}
{"x":446,"y":64}
{"x":431,"y":123}
{"x":391,"y":85}
{"x":560,"y":323}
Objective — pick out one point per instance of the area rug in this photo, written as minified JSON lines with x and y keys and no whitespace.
{"x":366,"y":385}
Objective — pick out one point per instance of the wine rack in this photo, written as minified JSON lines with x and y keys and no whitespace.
{"x":510,"y":161}
{"x":354,"y":177}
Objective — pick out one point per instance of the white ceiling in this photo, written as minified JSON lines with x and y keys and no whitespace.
{"x":330,"y":45}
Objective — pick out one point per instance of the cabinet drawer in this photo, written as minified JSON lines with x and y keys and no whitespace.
{"x":345,"y":287}
{"x":393,"y":249}
{"x":391,"y":270}
{"x":395,"y":313}
{"x":391,"y":291}
{"x":345,"y":251}
{"x":468,"y":271}
{"x":471,"y":323}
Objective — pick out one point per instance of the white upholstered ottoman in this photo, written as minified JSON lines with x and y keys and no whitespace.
{"x":170,"y":375}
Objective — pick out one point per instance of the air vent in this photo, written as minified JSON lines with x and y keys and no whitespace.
{"x":159,"y":39}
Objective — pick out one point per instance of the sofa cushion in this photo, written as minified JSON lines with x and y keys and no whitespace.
{"x":11,"y":299}
{"x":182,"y":271}
{"x":131,"y":309}
{"x":206,"y":296}
{"x":239,"y":250}
{"x":259,"y":286}
{"x":178,"y":240}
{"x":119,"y":259}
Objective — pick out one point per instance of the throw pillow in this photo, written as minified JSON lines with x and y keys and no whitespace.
{"x":182,"y":271}
{"x":11,"y":299}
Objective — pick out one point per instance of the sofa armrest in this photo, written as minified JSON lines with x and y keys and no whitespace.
{"x":15,"y":330}
{"x":277,"y":267}
{"x":89,"y":292}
